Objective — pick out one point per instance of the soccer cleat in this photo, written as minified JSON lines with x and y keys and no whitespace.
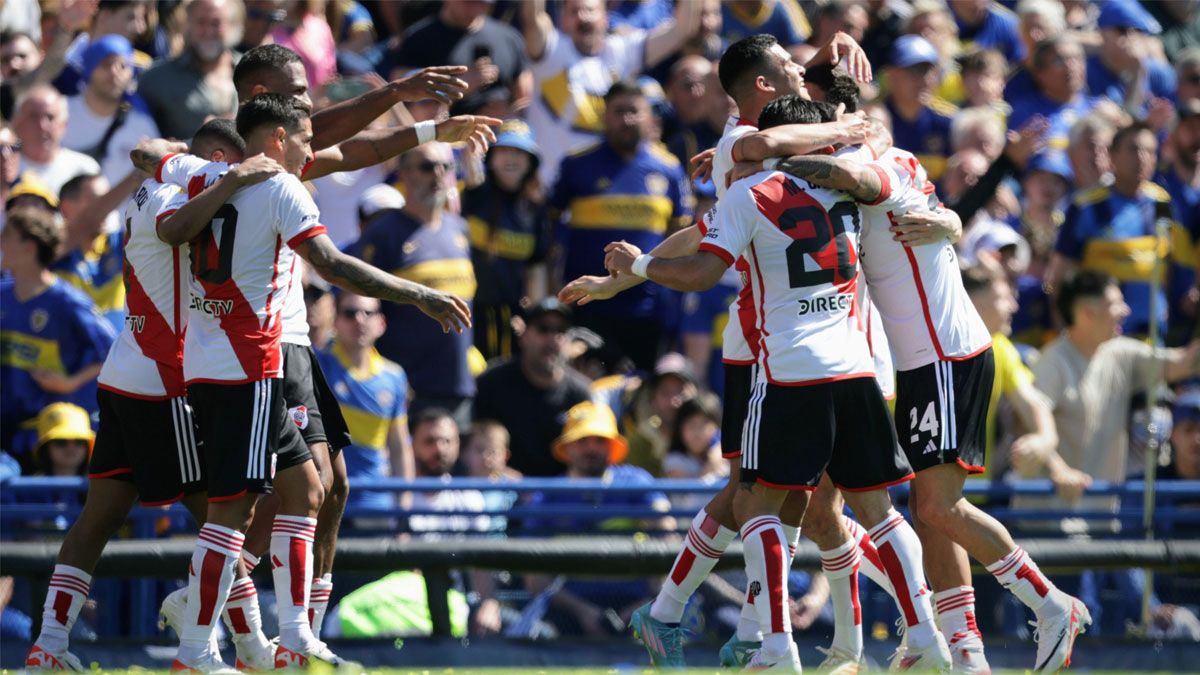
{"x":966,"y":655}
{"x":40,"y":659}
{"x":213,"y":666}
{"x":1055,"y":636}
{"x":737,"y":653}
{"x":321,"y":652}
{"x":663,"y":642}
{"x":253,"y":657}
{"x":839,"y":661}
{"x":286,"y":658}
{"x":761,"y":662}
{"x":170,"y":613}
{"x":934,"y":657}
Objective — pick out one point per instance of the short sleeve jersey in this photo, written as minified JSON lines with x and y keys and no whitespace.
{"x":568,"y":107}
{"x":917,"y":289}
{"x":371,"y":399}
{"x":98,"y":274}
{"x":998,"y":31}
{"x":802,"y":248}
{"x":147,"y":359}
{"x":240,"y":276}
{"x":928,"y":136}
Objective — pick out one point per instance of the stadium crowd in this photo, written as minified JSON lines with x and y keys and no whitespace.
{"x":1064,"y":134}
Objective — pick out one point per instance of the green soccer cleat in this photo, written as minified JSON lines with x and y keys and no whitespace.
{"x":663,"y":642}
{"x":736,"y":653}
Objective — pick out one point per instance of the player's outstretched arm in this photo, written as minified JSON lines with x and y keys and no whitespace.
{"x":585,"y":289}
{"x":190,"y":220}
{"x":373,"y":146}
{"x":799,"y":139}
{"x":698,"y":272}
{"x":356,"y":276}
{"x":340,"y":121}
{"x":857,"y":180}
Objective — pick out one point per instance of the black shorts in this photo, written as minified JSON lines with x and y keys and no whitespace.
{"x":941,"y":412}
{"x":739,"y":379}
{"x":311,"y":405}
{"x":794,"y":434}
{"x":150,"y":443}
{"x":243,"y":427}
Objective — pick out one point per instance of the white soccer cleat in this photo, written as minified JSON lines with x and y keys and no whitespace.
{"x":322,"y":652}
{"x":933,"y":657}
{"x":39,"y":659}
{"x":966,"y":655}
{"x":212,"y":666}
{"x":171,"y":611}
{"x":839,"y":661}
{"x":253,"y":656}
{"x":761,"y":662}
{"x":1056,"y":635}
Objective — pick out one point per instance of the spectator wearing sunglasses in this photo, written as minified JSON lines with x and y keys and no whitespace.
{"x":1127,"y":68}
{"x":427,"y":244}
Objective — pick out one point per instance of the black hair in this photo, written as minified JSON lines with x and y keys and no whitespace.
{"x":1042,"y":50}
{"x":72,"y":188}
{"x":1082,"y":285}
{"x":792,"y":109}
{"x":1125,"y":132}
{"x":977,"y":278}
{"x":748,"y":57}
{"x":275,"y":110}
{"x":116,"y":5}
{"x":261,"y":59}
{"x":839,"y":87}
{"x":9,"y":36}
{"x":219,"y":130}
{"x":623,"y":88}
{"x":428,"y":416}
{"x":706,"y":405}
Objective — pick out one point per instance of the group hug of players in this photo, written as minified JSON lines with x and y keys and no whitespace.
{"x":806,"y":371}
{"x":256,"y":432}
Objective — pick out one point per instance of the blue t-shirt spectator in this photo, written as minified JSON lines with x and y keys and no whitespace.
{"x":782,"y":18}
{"x":998,"y":31}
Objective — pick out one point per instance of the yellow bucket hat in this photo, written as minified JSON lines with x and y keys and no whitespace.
{"x":591,"y":419}
{"x":30,"y":185}
{"x":64,"y":422}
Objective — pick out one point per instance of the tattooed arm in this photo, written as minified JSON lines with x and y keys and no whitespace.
{"x":857,"y":180}
{"x":148,"y":154}
{"x":356,"y":276}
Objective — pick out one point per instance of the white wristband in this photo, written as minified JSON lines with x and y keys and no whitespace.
{"x":640,"y":264}
{"x":426,"y":131}
{"x":770,"y":163}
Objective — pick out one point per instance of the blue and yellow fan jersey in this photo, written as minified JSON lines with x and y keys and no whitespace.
{"x":57,"y":330}
{"x":927,"y":137}
{"x":1060,"y":116}
{"x":372,"y":400}
{"x":440,"y":258}
{"x":604,"y":198}
{"x":998,"y":31}
{"x":99,"y":274}
{"x":1109,"y":232}
{"x":782,"y":18}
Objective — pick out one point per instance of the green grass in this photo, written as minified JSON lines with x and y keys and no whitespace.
{"x":526,"y":671}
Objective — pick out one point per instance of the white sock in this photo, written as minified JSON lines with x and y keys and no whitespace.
{"x":791,"y":534}
{"x":1018,"y":573}
{"x":956,"y":612}
{"x":706,"y":541}
{"x":747,"y":625}
{"x":318,"y":602}
{"x":292,"y":569}
{"x":249,"y":560}
{"x":765,"y":549}
{"x":242,"y":615}
{"x":65,"y":597}
{"x":900,"y":554}
{"x":841,"y":570}
{"x":868,"y":559}
{"x":210,"y":576}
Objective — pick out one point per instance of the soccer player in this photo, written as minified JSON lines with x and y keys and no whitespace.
{"x":945,"y":374}
{"x":146,"y":449}
{"x":240,"y":277}
{"x":817,"y":383}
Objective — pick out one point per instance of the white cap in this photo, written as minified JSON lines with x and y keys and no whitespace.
{"x":377,"y":198}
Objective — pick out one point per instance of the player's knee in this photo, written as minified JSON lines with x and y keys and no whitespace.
{"x":821,"y":524}
{"x":930,"y":511}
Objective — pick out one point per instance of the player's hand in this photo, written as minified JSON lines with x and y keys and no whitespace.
{"x":437,"y":82}
{"x":447,"y":309}
{"x":486,"y":618}
{"x":54,"y":383}
{"x":619,"y":257}
{"x":148,"y":153}
{"x":702,"y":165}
{"x":588,"y":288}
{"x":481,"y":74}
{"x":1028,"y":141}
{"x":852,"y":128}
{"x":1069,"y":484}
{"x":74,"y":15}
{"x":474,"y":130}
{"x":921,"y":228}
{"x":255,"y":170}
{"x":744,"y":168}
{"x":806,"y":610}
{"x":842,"y":46}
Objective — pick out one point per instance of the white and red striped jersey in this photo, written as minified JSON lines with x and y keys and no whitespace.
{"x":195,"y":174}
{"x":241,"y":276}
{"x":802,"y":249}
{"x":739,"y":339}
{"x":146,"y":360}
{"x":918,"y":290}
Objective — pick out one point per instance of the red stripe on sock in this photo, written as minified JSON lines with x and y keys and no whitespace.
{"x":854,"y":597}
{"x":895,"y":572}
{"x":1018,"y":556}
{"x":958,"y":605}
{"x":867,"y":548}
{"x":312,"y":617}
{"x":1034,"y":578}
{"x":892,"y":524}
{"x":297,"y":554}
{"x":237,"y":617}
{"x":701,"y":547}
{"x":683,"y":566}
{"x":972,"y":626}
{"x":62,"y":607}
{"x":210,"y":584}
{"x":69,"y":584}
{"x":773,"y":556}
{"x":709,"y":526}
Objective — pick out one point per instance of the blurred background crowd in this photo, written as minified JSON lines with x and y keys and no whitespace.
{"x":1065,"y":133}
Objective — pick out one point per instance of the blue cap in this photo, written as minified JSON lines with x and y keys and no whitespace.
{"x":910,"y":50}
{"x":1055,"y":162}
{"x":1127,"y":14}
{"x":1187,"y":405}
{"x":103,"y":47}
{"x":517,"y":134}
